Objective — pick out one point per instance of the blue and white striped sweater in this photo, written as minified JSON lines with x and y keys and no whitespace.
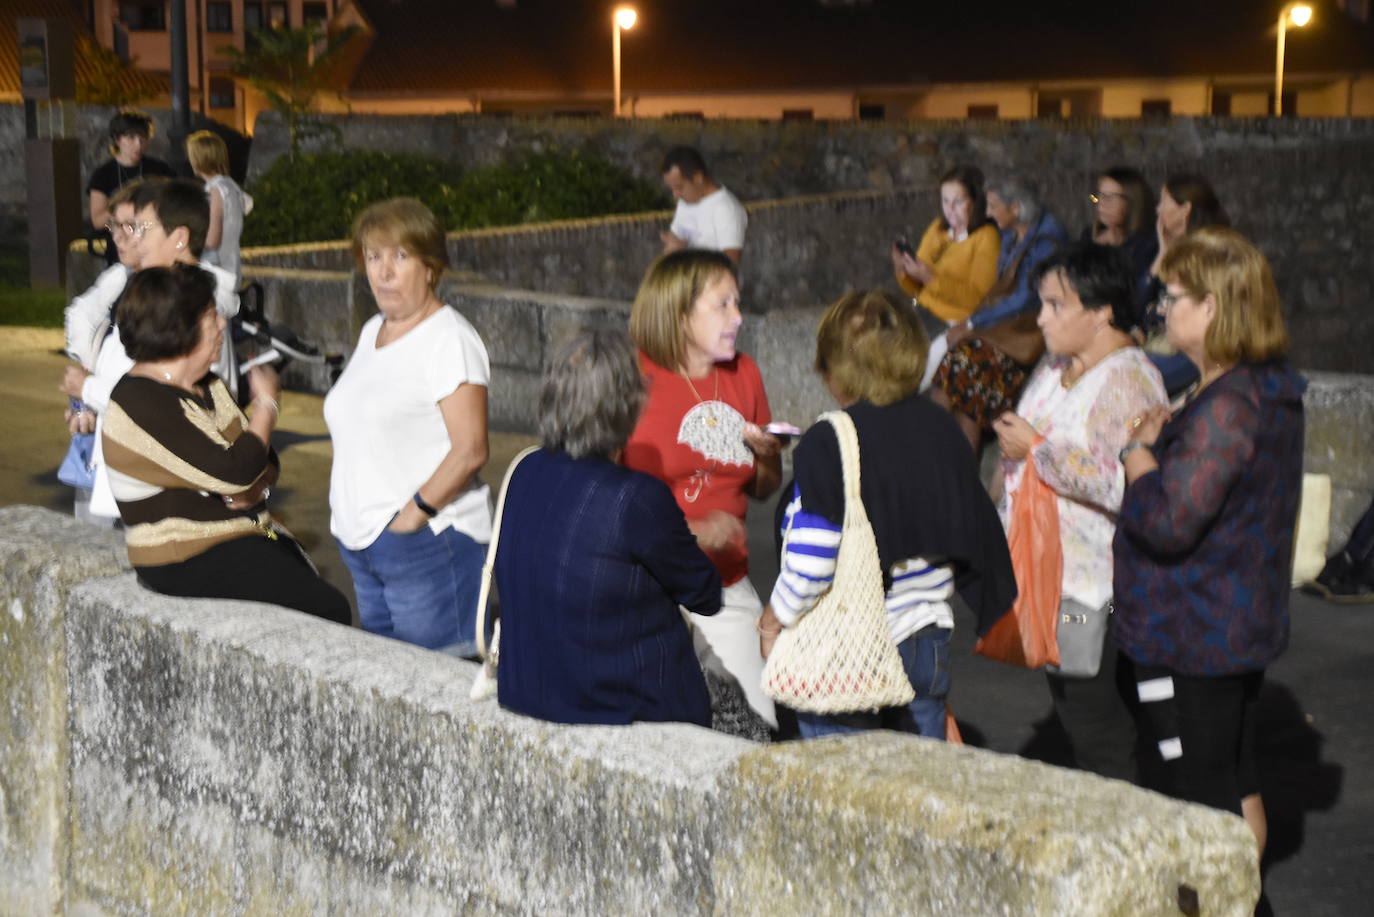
{"x":919,"y":595}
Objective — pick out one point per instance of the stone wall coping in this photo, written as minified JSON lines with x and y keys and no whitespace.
{"x":496,"y":292}
{"x":611,"y":219}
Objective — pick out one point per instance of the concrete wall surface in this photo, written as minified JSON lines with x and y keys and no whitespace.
{"x":206,"y":757}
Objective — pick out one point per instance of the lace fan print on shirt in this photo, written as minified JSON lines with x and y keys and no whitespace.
{"x":716,"y":430}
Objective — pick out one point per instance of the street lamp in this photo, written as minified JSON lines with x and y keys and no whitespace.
{"x":623,"y":20}
{"x":1300,"y":14}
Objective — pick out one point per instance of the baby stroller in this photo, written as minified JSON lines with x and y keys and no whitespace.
{"x":253,"y":341}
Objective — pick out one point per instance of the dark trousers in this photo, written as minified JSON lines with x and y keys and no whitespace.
{"x":1093,"y":712}
{"x":1204,"y":728}
{"x":255,"y":568}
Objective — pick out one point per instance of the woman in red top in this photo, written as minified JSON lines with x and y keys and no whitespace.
{"x":702,"y":434}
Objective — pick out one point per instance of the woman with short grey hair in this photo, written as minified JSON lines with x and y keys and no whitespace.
{"x":594,"y":559}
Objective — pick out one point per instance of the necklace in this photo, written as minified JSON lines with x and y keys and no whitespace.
{"x":119,"y":172}
{"x":715,"y":395}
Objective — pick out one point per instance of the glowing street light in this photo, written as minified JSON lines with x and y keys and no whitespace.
{"x":1299,"y":14}
{"x":623,"y":20}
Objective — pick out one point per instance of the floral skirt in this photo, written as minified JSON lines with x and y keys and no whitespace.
{"x":979,"y":380}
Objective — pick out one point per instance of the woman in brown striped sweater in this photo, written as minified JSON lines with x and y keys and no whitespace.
{"x":189,"y":471}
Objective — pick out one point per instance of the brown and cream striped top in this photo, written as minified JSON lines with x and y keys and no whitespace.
{"x":172,"y":456}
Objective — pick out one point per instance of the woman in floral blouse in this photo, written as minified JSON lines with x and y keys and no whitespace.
{"x":1206,"y":535}
{"x":1073,"y":418}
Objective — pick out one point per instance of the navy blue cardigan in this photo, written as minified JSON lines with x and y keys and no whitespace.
{"x":593,"y":562}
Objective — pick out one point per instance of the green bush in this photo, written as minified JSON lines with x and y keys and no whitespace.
{"x":315,"y":197}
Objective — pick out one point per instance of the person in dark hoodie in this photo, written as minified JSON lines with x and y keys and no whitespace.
{"x":1205,"y":537}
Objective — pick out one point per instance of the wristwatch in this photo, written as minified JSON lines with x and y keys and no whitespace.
{"x":1128,"y":449}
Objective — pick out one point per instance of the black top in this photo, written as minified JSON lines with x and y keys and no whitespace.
{"x":110,"y":177}
{"x":920,"y":487}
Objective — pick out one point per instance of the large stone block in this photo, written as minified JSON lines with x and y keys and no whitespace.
{"x":890,"y":824}
{"x":42,"y":556}
{"x":1339,"y":412}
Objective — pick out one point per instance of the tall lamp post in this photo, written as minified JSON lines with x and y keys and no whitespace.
{"x":1300,"y":14}
{"x":623,"y":20}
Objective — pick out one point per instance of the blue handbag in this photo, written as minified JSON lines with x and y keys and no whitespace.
{"x":75,"y":469}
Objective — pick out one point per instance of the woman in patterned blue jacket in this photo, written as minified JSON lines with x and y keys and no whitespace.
{"x":1205,"y":537}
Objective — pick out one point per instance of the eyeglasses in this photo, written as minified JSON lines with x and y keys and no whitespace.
{"x":140,"y":229}
{"x":1098,"y":197}
{"x":115,"y":229}
{"x":1167,"y":299}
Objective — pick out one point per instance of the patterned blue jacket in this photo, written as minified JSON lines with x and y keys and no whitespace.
{"x":1204,"y":545}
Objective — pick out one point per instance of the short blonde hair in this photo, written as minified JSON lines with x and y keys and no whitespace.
{"x":406,"y":222}
{"x":207,"y":153}
{"x":671,"y":285}
{"x":1248,"y":324}
{"x":870,"y":347}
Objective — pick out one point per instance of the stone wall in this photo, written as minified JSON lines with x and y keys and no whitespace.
{"x":168,"y":756}
{"x":792,"y":258}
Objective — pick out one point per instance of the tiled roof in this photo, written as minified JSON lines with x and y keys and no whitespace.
{"x":65,"y":11}
{"x":563,"y":46}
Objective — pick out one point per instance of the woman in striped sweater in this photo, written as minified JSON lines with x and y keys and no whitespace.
{"x":189,"y":471}
{"x":935,"y":526}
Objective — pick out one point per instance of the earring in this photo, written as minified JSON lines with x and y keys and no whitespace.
{"x":179,"y":244}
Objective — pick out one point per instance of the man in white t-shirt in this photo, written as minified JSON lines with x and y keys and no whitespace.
{"x":708,"y":216}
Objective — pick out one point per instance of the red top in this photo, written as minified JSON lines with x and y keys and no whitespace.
{"x":693,"y":440}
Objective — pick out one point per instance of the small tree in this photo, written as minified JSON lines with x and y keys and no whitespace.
{"x":291,"y":67}
{"x":108,"y":79}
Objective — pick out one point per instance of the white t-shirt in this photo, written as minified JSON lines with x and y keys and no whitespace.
{"x":389,"y":434}
{"x":237,"y":204}
{"x":717,"y":222}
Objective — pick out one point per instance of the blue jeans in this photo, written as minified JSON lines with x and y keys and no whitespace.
{"x":419,"y":587}
{"x":925,"y":656}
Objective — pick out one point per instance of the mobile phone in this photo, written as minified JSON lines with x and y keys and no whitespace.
{"x":783,"y":431}
{"x":904,"y":246}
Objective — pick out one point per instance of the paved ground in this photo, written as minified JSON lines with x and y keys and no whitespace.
{"x":1317,"y":745}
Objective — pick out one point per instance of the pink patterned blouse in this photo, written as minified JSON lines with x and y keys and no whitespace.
{"x":1084,"y":427}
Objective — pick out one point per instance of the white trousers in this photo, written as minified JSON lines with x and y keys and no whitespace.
{"x":727,"y":643}
{"x":939,"y":346}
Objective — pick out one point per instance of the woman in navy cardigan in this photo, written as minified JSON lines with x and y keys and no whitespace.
{"x":1205,"y":538}
{"x":594,"y":560}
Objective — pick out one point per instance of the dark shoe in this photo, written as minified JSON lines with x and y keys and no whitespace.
{"x":1343,"y":581}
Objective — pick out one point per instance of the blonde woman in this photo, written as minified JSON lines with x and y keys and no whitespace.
{"x":229,"y":203}
{"x":1205,"y":541}
{"x":702,"y":434}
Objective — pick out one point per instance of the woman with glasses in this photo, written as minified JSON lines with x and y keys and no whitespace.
{"x":168,"y":226}
{"x":1204,"y":542}
{"x":1123,"y":205}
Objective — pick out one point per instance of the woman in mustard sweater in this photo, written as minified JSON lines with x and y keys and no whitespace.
{"x":956,"y":263}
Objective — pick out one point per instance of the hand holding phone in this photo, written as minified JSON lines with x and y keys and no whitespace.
{"x":903,"y":246}
{"x":783,"y":431}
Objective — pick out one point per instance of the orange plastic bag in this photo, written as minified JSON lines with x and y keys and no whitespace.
{"x":1026,"y":635}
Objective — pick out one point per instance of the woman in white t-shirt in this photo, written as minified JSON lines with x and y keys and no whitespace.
{"x":408,"y":418}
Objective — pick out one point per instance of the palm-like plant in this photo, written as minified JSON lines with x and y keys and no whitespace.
{"x":290,"y":68}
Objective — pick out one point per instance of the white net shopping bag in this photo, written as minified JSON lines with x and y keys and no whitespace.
{"x":838,"y":658}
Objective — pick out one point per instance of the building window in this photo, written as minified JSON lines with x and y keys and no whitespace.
{"x":278,"y":16}
{"x":314,"y":12}
{"x":1156,"y":108}
{"x":798,"y":114}
{"x":143,"y":17}
{"x":219,"y":16}
{"x":221,"y":92}
{"x":982,"y":111}
{"x":1221,"y":103}
{"x":1050,"y":107}
{"x":872,"y":112}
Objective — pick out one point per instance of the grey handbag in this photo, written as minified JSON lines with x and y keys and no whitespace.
{"x":1081,"y":633}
